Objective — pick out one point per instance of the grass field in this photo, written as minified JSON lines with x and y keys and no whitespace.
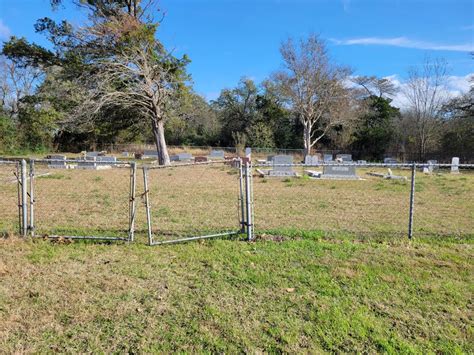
{"x":293,"y":294}
{"x":331,"y":269}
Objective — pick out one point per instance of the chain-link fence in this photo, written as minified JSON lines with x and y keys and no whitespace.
{"x":83,"y":200}
{"x":363,"y":199}
{"x":201,"y":200}
{"x":193,"y":201}
{"x":10,"y":212}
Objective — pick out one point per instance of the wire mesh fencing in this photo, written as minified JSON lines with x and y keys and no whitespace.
{"x":373,"y":199}
{"x":193,"y":201}
{"x":83,"y":200}
{"x":444,"y":202}
{"x":10,"y":199}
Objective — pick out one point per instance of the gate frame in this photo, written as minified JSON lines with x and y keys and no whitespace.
{"x":245,"y":212}
{"x":131,"y":197}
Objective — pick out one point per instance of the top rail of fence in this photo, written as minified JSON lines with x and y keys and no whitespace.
{"x":11,"y":162}
{"x":214,"y":162}
{"x":382,"y":165}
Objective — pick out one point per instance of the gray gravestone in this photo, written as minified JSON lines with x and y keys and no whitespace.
{"x":58,"y":163}
{"x":181,"y":157}
{"x":282,"y":170}
{"x":339,"y":172}
{"x":346,"y":158}
{"x":311,"y":160}
{"x":150,"y":154}
{"x":432,"y":165}
{"x":88,"y":163}
{"x":216,"y":154}
{"x":390,"y":160}
{"x":106,"y":159}
{"x":327,"y":157}
{"x":455,"y":165}
{"x":248,"y":152}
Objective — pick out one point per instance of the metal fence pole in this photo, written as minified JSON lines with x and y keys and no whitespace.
{"x":18,"y":187}
{"x":412,"y":201}
{"x":132,"y":204}
{"x":248,"y":201}
{"x":147,"y":205}
{"x":24,"y":194}
{"x":241,"y":196}
{"x":32,"y":197}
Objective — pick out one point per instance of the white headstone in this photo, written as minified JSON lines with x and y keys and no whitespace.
{"x":455,"y":165}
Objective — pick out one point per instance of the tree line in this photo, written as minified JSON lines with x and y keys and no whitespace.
{"x":112,"y":81}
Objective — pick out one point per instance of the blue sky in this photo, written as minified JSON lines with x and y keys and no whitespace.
{"x":229,"y":39}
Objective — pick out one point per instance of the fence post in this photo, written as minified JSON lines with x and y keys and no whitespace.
{"x":248,"y":201}
{"x":24,"y":200}
{"x":241,"y":196}
{"x":147,"y":204}
{"x":132,"y":203}
{"x":32,"y":197}
{"x":412,"y":201}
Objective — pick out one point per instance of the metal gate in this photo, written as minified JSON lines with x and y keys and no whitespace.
{"x":211,"y":189}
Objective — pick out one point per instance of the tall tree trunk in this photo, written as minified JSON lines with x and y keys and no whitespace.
{"x":307,"y":140}
{"x":159,"y":137}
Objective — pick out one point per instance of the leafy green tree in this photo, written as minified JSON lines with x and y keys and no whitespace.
{"x":374,"y":133}
{"x":8,"y":134}
{"x":115,"y":60}
{"x":236,"y":109}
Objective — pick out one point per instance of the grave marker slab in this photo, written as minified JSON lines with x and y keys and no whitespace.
{"x":390,"y":160}
{"x":339,"y":172}
{"x":57,"y":164}
{"x":346,"y":158}
{"x":282,"y":170}
{"x":216,"y":154}
{"x":327,"y":157}
{"x":181,"y":157}
{"x":311,"y":160}
{"x":455,"y":165}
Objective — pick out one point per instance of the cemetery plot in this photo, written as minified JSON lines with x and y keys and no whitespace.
{"x":368,"y":206}
{"x":9,"y":217}
{"x":193,"y":201}
{"x":82,"y":202}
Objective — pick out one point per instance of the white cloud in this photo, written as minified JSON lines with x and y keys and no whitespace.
{"x":455,"y":86}
{"x":405,"y":43}
{"x":5,"y":32}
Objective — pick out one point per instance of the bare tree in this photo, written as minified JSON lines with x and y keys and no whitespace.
{"x":374,"y":86}
{"x":314,"y":87}
{"x":139,"y":75}
{"x":426,"y":95}
{"x":16,"y":82}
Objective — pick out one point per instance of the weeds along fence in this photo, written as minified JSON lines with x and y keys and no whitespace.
{"x":406,"y":203}
{"x":194,"y":201}
{"x":95,"y":200}
{"x":10,"y":198}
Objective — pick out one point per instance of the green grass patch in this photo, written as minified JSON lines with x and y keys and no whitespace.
{"x":289,"y":291}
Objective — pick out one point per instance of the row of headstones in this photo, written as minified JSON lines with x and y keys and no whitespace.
{"x":215,"y":154}
{"x":92,"y":160}
{"x":282,"y":165}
